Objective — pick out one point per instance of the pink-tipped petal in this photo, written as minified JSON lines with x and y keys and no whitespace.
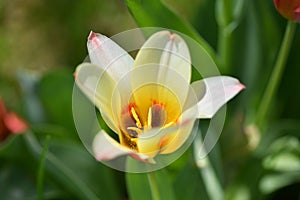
{"x":108,"y":55}
{"x":93,"y":37}
{"x":215,"y":92}
{"x":106,"y":148}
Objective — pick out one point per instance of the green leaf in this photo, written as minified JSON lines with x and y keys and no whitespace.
{"x":229,"y":15}
{"x":41,"y":174}
{"x":272,"y":138}
{"x":252,"y":178}
{"x":257,"y":34}
{"x":28,"y":82}
{"x":283,"y":155}
{"x":246,"y":183}
{"x":139,"y":188}
{"x":189,"y":183}
{"x":75,"y":170}
{"x":14,"y":149}
{"x":17,"y":183}
{"x":273,"y":182}
{"x":210,"y":178}
{"x":229,"y":12}
{"x":155,"y":14}
{"x":55,"y":91}
{"x":17,"y":171}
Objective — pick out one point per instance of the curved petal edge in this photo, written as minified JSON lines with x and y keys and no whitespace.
{"x":106,"y":148}
{"x":214,"y":93}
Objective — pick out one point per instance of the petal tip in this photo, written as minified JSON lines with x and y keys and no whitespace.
{"x":92,"y":35}
{"x":94,"y":39}
{"x":75,"y":74}
{"x":172,"y":36}
{"x":242,"y":86}
{"x":102,"y":158}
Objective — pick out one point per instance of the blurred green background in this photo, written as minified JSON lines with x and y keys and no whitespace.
{"x":41,"y":43}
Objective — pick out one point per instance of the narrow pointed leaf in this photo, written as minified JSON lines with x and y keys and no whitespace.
{"x":146,"y":14}
{"x":75,"y":170}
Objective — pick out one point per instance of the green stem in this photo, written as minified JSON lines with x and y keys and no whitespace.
{"x":40,"y":177}
{"x":153,"y":186}
{"x":276,"y":75}
{"x":212,"y":182}
{"x":225,"y":49}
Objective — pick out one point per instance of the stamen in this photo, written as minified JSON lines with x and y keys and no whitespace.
{"x":136,"y":118}
{"x":151,"y":106}
{"x":169,"y":124}
{"x":128,"y":141}
{"x":137,"y":130}
{"x":158,"y":116}
{"x":132,"y":133}
{"x":149,"y":118}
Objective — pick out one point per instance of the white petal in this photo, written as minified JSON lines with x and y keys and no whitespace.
{"x":176,"y":56}
{"x":214,"y":92}
{"x":167,"y":49}
{"x":108,"y":55}
{"x":99,"y":87}
{"x":106,"y":148}
{"x":170,"y":52}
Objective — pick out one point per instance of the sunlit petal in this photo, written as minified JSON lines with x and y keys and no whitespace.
{"x":110,"y":56}
{"x":214,"y":92}
{"x":98,"y":86}
{"x":170,"y":52}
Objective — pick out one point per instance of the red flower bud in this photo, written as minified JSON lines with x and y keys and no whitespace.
{"x":10,"y":122}
{"x":289,"y":9}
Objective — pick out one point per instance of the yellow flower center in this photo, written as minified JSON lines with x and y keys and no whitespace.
{"x":150,"y":106}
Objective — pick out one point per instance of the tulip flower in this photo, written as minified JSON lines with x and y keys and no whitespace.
{"x":289,"y":9}
{"x":10,"y":122}
{"x":148,"y":102}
